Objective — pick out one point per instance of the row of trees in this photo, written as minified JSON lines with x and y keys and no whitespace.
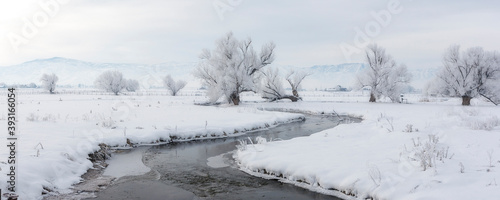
{"x":113,"y":81}
{"x":234,"y":67}
{"x":467,"y":74}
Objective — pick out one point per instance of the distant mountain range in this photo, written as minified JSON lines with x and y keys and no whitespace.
{"x":76,"y":73}
{"x":327,"y":76}
{"x":73,"y":72}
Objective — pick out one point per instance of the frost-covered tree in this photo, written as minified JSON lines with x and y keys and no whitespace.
{"x":383,"y":76}
{"x":173,"y":86}
{"x":111,"y":81}
{"x":469,"y":74}
{"x":295,"y":78}
{"x":231,"y":67}
{"x":272,"y":86}
{"x":49,"y":82}
{"x":131,"y":85}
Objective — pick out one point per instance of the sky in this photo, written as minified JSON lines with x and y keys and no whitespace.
{"x":306,"y":32}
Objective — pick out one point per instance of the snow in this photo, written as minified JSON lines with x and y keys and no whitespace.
{"x":69,"y":127}
{"x":381,"y":156}
{"x":126,"y":164}
{"x":217,"y":161}
{"x":69,"y":71}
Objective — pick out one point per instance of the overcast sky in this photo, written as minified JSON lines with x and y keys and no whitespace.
{"x":306,"y":32}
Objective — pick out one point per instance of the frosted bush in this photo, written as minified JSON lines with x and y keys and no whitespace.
{"x":261,"y":140}
{"x":428,"y":153}
{"x":483,"y":123}
{"x":108,"y":123}
{"x":32,"y":117}
{"x":476,"y":120}
{"x":409,"y":128}
{"x":242,"y":146}
{"x":49,"y":117}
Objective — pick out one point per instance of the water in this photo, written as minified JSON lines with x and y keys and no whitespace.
{"x":180,"y":170}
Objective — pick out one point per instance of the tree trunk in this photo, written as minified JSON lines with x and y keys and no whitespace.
{"x":295,"y":93}
{"x":292,"y":98}
{"x":372,"y":98}
{"x":466,"y":100}
{"x":235,"y":98}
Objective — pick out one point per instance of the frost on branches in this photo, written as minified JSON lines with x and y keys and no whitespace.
{"x":113,"y":81}
{"x":231,"y":67}
{"x":295,"y":78}
{"x":272,"y":86}
{"x":469,"y":74}
{"x":49,"y":82}
{"x":173,"y":86}
{"x":383,"y":76}
{"x":132,"y":85}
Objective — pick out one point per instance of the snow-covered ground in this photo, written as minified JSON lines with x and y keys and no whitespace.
{"x":420,"y":150}
{"x":382,"y":157}
{"x":57,"y":132}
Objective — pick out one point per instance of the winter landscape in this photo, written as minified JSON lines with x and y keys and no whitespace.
{"x":206,"y":100}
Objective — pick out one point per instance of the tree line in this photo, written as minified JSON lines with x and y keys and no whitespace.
{"x":233,"y":67}
{"x":114,"y":82}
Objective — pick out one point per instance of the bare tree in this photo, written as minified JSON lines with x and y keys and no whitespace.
{"x":272,"y":86}
{"x":173,"y":86}
{"x":131,"y":85}
{"x":469,"y":74}
{"x":111,"y":81}
{"x":231,"y":67}
{"x":295,"y":78}
{"x":49,"y":82}
{"x":383,"y":76}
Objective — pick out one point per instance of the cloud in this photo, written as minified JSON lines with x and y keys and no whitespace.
{"x":306,"y":32}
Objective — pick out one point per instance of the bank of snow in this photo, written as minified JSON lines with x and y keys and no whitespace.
{"x":58,"y":132}
{"x":399,"y":151}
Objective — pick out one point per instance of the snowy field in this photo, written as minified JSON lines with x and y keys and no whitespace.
{"x":57,"y":132}
{"x":430,"y":148}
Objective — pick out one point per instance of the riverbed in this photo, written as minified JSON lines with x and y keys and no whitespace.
{"x":205,"y":169}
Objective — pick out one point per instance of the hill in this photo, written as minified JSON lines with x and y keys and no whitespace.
{"x":75,"y":73}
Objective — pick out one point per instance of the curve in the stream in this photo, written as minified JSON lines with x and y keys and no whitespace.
{"x":205,"y":169}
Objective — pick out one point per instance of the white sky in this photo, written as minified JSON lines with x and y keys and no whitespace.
{"x":306,"y":32}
